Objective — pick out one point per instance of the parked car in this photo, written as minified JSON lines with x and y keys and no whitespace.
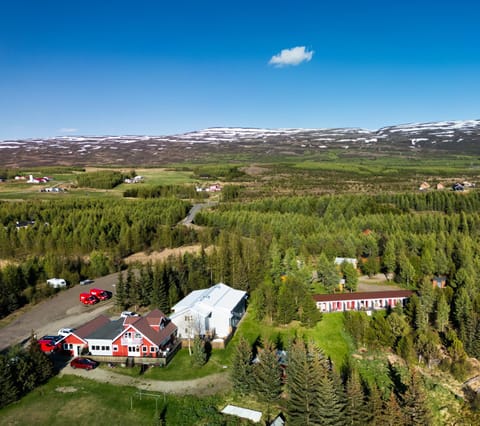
{"x":86,"y":281}
{"x":88,"y":299}
{"x":85,"y":363}
{"x":65,"y":331}
{"x":49,"y":344}
{"x":126,"y":314}
{"x":100,"y":294}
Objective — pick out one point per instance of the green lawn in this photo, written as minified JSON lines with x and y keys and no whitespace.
{"x":331,"y":336}
{"x":328,"y":334}
{"x":181,"y":368}
{"x":78,"y":401}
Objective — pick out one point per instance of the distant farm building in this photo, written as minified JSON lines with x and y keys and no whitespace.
{"x":424,"y":186}
{"x":35,"y":180}
{"x":136,"y":179}
{"x":212,"y":188}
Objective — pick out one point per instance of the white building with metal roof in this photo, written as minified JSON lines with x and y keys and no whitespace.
{"x":215,"y":311}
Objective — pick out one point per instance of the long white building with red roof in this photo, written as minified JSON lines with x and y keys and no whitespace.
{"x":367,"y":301}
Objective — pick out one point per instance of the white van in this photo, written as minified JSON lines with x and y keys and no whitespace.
{"x":57,"y":282}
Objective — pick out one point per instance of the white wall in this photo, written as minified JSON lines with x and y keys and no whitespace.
{"x":101,"y":343}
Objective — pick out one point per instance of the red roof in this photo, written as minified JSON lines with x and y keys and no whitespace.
{"x":155,"y":317}
{"x":340,"y":297}
{"x":156,"y":337}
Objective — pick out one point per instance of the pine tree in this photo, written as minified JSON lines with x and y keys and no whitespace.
{"x":199,"y":355}
{"x":241,"y":372}
{"x":356,"y":412}
{"x":332,"y":399}
{"x":442,"y":312}
{"x":415,"y":406}
{"x":351,"y":276}
{"x":159,"y":296}
{"x":42,"y":365}
{"x":267,"y":373}
{"x":8,"y":390}
{"x":375,"y":404}
{"x":464,"y":318}
{"x":391,"y":414}
{"x":327,"y":273}
{"x":303,"y":383}
{"x":389,"y":259}
{"x":120,"y":296}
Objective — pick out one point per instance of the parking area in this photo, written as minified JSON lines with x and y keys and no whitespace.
{"x":62,"y":310}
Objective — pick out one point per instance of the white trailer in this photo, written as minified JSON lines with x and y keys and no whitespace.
{"x":57,"y":282}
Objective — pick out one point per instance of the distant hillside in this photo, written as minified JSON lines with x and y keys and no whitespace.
{"x":453,"y":137}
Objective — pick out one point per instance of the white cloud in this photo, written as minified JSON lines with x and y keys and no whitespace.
{"x":293,"y":56}
{"x":67,"y":130}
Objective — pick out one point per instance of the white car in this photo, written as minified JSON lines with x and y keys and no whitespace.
{"x":65,"y":331}
{"x":126,"y":314}
{"x":86,"y":282}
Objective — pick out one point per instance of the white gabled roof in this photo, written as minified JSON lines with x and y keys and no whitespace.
{"x":220,"y":296}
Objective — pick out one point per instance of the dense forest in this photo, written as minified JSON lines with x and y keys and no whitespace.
{"x":280,"y":250}
{"x":76,"y":239}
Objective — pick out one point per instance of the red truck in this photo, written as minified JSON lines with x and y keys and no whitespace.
{"x":88,"y":299}
{"x":100,"y":294}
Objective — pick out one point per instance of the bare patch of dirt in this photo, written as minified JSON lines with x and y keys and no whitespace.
{"x":66,"y":389}
{"x":159,"y":256}
{"x":4,"y":263}
{"x":254,"y":170}
{"x":376,"y":283}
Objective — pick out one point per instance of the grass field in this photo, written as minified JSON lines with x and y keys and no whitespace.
{"x":15,"y":190}
{"x":78,"y":401}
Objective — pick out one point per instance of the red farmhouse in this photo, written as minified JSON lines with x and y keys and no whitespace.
{"x":152,"y":336}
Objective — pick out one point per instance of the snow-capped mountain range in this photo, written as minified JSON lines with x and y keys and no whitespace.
{"x":457,"y":136}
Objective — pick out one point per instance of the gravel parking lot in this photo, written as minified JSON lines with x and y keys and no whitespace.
{"x":62,"y":310}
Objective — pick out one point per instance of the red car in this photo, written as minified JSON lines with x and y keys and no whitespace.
{"x":49,"y":344}
{"x":85,"y":363}
{"x":88,"y":299}
{"x":100,"y":294}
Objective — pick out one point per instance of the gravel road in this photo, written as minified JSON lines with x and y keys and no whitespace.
{"x":62,"y":310}
{"x":208,"y":385}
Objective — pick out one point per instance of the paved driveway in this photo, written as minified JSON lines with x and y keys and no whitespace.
{"x":62,"y":310}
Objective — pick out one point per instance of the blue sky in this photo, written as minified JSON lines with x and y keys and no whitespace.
{"x":157,"y":67}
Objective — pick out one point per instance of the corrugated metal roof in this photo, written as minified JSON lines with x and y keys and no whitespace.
{"x":218,"y":296}
{"x":245,"y":413}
